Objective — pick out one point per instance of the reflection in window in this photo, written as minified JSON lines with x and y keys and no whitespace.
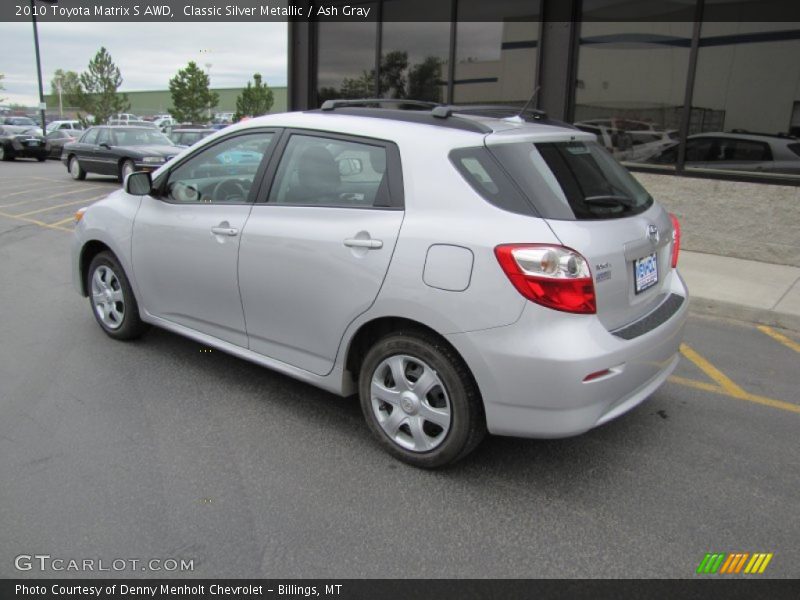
{"x":748,"y":83}
{"x":631,"y":85}
{"x":346,"y":60}
{"x":414,"y":55}
{"x":496,"y":53}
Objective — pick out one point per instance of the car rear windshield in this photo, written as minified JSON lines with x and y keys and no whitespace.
{"x":573,"y":180}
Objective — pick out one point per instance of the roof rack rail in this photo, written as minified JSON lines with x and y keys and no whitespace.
{"x":334,"y":104}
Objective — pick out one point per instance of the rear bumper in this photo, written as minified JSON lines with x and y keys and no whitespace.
{"x":531,"y":374}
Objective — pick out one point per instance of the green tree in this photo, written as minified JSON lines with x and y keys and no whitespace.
{"x":255,"y":99}
{"x":191,"y":98}
{"x":70,"y":86}
{"x":97,"y":93}
{"x":424,"y":80}
{"x":1,"y":85}
{"x":393,"y":74}
{"x":359,"y":87}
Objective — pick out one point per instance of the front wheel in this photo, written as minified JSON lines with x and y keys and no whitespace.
{"x":6,"y":154}
{"x":420,"y":400}
{"x":112,"y":300}
{"x":126,"y":168}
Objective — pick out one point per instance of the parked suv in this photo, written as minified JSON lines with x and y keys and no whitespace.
{"x":460,"y":273}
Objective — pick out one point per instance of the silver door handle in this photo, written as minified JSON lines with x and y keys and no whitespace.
{"x":361,"y":243}
{"x":224,"y":231}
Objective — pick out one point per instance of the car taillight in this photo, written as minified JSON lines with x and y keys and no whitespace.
{"x":676,"y":239}
{"x":553,"y":276}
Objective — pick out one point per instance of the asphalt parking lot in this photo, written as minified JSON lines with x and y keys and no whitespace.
{"x":159,"y":448}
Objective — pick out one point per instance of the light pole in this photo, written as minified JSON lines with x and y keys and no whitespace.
{"x":42,"y":105}
{"x":208,"y":71}
{"x":60,"y":89}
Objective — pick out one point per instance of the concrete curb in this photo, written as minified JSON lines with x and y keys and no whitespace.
{"x":730,"y":310}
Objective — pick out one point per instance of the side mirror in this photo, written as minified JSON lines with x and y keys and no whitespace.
{"x":139,"y":183}
{"x":104,"y":145}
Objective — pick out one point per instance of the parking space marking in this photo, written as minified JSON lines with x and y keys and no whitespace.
{"x":779,"y":337}
{"x":26,"y":191}
{"x":74,"y":202}
{"x":724,"y":385}
{"x":63,"y":221}
{"x":35,"y":222}
{"x":49,"y":197}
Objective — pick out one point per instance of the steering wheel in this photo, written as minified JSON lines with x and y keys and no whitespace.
{"x":227,"y":189}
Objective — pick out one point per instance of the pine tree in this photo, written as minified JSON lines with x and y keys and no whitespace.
{"x":254,"y":100}
{"x":97,"y":93}
{"x":1,"y":86}
{"x":191,"y":98}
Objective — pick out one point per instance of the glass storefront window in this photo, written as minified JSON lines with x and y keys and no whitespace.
{"x":496,"y":51}
{"x":746,"y":97}
{"x":414,"y":56}
{"x":346,"y":59}
{"x":631,"y":84}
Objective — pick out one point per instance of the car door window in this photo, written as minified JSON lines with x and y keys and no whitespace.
{"x":104,"y":137}
{"x":221,"y":173}
{"x":699,"y":150}
{"x":320,"y":171}
{"x":90,"y":137}
{"x":751,"y":150}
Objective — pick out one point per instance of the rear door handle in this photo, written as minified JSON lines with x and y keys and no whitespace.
{"x":224,"y":231}
{"x":363,"y":243}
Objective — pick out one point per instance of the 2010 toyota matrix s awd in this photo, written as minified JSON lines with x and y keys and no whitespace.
{"x":460,"y":273}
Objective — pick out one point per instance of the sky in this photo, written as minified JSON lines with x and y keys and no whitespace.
{"x":148,"y":54}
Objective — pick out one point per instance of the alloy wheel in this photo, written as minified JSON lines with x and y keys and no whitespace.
{"x":107,"y":297}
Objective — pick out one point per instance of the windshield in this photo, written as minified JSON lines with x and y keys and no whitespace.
{"x":573,"y":180}
{"x":140,"y":137}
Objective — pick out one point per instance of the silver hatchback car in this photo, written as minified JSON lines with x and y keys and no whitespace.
{"x":461,"y":273}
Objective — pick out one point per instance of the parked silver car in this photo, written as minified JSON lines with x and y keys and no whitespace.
{"x":459,"y":273}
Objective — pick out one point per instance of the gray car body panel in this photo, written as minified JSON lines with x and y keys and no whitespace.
{"x":528,"y":361}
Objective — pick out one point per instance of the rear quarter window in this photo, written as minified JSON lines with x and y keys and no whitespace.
{"x":483,"y":173}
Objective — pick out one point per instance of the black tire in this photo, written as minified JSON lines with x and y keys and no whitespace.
{"x":75,"y":169}
{"x":467,"y":421}
{"x":6,"y":154}
{"x":125,"y":164}
{"x":130,"y":326}
{"x":41,"y":158}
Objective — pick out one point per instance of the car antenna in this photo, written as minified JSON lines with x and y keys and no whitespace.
{"x":534,"y":96}
{"x":518,"y":117}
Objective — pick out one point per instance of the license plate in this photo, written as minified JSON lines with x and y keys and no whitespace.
{"x":645,"y":272}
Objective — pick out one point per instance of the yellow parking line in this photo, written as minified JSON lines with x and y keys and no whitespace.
{"x":62,"y":221}
{"x":46,"y":208}
{"x":725,"y":386}
{"x":35,"y":222}
{"x":49,"y":197}
{"x":715,"y":374}
{"x":779,"y":337}
{"x":47,"y":187}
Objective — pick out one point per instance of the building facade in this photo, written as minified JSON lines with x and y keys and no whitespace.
{"x":697,"y":87}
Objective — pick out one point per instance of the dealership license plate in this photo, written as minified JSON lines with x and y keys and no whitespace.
{"x":645,"y":272}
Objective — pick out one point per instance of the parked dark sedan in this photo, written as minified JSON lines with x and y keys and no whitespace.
{"x":186,"y":136}
{"x":58,"y":138}
{"x":117,"y":150}
{"x":22,"y":142}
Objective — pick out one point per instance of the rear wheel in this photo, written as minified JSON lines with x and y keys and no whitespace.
{"x":112,"y":300}
{"x":420,"y":400}
{"x":126,"y":168}
{"x":75,"y":169}
{"x":41,"y":158}
{"x":6,"y":154}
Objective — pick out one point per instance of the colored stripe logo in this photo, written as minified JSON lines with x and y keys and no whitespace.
{"x":735,"y":563}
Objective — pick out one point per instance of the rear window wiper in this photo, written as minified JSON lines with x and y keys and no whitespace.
{"x":610,"y":200}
